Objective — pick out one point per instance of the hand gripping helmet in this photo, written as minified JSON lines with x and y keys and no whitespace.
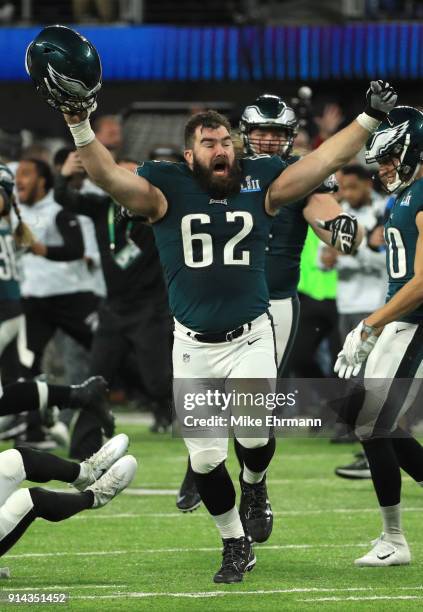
{"x":65,"y":68}
{"x":269,"y":111}
{"x":399,"y":136}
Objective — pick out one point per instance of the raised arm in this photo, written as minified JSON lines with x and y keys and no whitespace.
{"x":132,"y":191}
{"x":301,"y":178}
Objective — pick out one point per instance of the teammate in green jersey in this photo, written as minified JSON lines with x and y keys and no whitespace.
{"x":211,"y":218}
{"x":390,"y":340}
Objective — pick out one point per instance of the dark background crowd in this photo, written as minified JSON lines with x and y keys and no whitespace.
{"x":113,"y":319}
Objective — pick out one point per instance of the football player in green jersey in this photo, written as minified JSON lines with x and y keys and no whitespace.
{"x":390,"y":340}
{"x":211,"y":218}
{"x":268,"y":127}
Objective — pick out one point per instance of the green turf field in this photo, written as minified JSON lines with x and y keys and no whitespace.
{"x":139,"y":553}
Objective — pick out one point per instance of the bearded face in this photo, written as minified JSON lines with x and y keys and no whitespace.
{"x":220,"y":177}
{"x":213,"y":162}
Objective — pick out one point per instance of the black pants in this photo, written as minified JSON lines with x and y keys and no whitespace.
{"x":74,"y":313}
{"x":318,"y":320}
{"x":146,"y":333}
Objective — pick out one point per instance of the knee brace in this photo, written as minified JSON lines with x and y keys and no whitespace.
{"x":205,"y":460}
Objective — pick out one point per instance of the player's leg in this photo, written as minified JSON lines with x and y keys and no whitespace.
{"x":107,"y":353}
{"x":285,"y":314}
{"x":396,"y":356}
{"x":208,"y":451}
{"x":25,"y":505}
{"x":409,"y":453}
{"x":255,"y":372}
{"x":40,"y":396}
{"x":149,"y":333}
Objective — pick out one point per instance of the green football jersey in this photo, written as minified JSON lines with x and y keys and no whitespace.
{"x":213,"y":250}
{"x":401,"y":235}
{"x":286,"y":242}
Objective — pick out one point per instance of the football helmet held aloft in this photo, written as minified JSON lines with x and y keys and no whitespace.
{"x":272,"y":113}
{"x":399,"y":138}
{"x":65,"y":68}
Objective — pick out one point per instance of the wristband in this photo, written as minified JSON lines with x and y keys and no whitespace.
{"x":368,"y":123}
{"x":82,"y":133}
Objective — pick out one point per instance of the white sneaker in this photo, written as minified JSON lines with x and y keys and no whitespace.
{"x":387,"y":550}
{"x":101,"y":461}
{"x":114,"y":481}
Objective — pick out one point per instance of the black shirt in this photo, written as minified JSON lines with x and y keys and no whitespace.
{"x":141,"y":276}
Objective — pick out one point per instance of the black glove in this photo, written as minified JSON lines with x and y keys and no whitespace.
{"x":344,"y":231}
{"x":381,"y":98}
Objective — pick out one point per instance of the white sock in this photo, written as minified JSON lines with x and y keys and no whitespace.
{"x":229,"y":524}
{"x":391,"y":516}
{"x":12,"y":473}
{"x":83,"y":473}
{"x":252,"y":477}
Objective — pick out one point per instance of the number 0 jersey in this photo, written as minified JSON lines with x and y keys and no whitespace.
{"x":213,"y":250}
{"x":401,"y":236}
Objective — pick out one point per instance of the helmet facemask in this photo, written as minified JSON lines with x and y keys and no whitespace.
{"x":281,"y":145}
{"x":63,"y":101}
{"x":269,"y":112}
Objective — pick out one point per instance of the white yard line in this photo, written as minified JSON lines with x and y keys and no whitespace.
{"x":141,"y":551}
{"x":204,"y":515}
{"x":67,"y":586}
{"x":365,"y":598}
{"x":208,"y":594}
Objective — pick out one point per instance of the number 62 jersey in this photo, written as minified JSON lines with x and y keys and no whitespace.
{"x":401,"y":236}
{"x":213,"y":250}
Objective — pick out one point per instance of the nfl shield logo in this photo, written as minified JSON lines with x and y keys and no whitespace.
{"x":186,"y":357}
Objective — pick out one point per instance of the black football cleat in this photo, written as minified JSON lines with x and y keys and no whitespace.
{"x":91,"y":395}
{"x":357,"y":470}
{"x":255,"y":510}
{"x":188,"y":498}
{"x":238,"y":558}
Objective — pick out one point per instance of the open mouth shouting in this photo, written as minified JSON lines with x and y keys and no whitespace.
{"x":220,"y":167}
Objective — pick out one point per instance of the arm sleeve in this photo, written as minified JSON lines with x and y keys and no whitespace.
{"x":73,"y":243}
{"x":89,"y":204}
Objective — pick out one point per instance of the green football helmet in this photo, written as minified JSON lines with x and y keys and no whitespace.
{"x":65,"y":68}
{"x":269,"y":111}
{"x":399,"y":137}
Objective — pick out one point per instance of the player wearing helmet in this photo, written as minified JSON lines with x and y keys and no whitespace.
{"x":389,"y":341}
